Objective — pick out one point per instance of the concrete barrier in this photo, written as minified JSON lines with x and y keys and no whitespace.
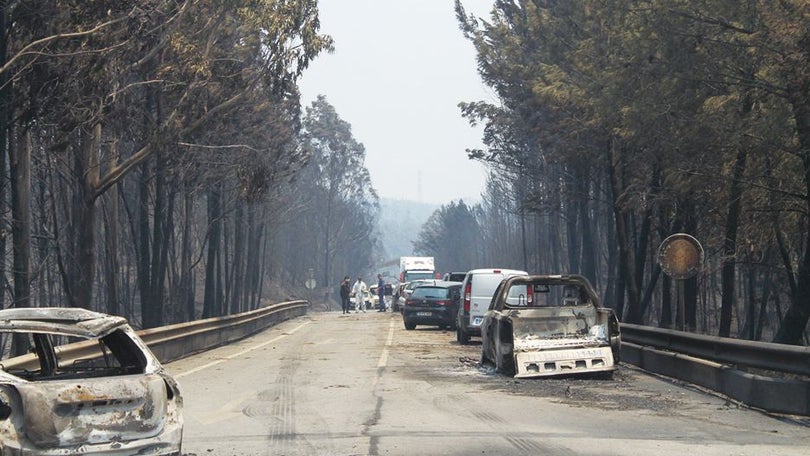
{"x":776,"y":395}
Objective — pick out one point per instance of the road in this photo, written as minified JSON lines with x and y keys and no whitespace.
{"x":360,"y":384}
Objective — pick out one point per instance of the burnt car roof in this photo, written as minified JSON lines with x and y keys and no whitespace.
{"x":568,"y":279}
{"x":59,"y":320}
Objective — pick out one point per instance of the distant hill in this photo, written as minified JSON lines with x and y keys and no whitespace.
{"x":400,"y":223}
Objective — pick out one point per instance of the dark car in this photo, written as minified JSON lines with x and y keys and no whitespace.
{"x":433,"y":303}
{"x":545,"y":325}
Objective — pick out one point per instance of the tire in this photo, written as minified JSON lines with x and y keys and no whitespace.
{"x":410,"y":326}
{"x":505,"y":364}
{"x":485,"y":359}
{"x":463,"y":337}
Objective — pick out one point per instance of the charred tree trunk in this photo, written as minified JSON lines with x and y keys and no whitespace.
{"x":86,"y":173}
{"x":211,"y":301}
{"x":626,"y":259}
{"x":6,"y":112}
{"x":111,"y":240}
{"x":238,"y":284}
{"x":795,"y":320}
{"x":730,"y":246}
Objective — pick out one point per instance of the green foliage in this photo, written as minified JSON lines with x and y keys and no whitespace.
{"x":662,"y":97}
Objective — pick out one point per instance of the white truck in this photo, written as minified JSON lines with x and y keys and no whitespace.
{"x":415,"y":268}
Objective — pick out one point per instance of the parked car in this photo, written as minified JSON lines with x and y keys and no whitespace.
{"x":545,"y":325}
{"x":83,"y":383}
{"x":400,"y":291}
{"x":366,"y":300}
{"x":432,"y":303}
{"x":454,"y":276}
{"x":406,"y":291}
{"x":374,"y":300}
{"x":477,"y":288}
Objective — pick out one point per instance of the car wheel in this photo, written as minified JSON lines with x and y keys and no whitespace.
{"x":409,"y":326}
{"x":463,"y":337}
{"x":485,"y":361}
{"x":505,"y":363}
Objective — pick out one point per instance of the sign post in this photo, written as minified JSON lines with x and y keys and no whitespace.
{"x":680,"y":257}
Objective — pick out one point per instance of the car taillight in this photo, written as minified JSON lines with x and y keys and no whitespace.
{"x":409,"y":302}
{"x":443,"y":303}
{"x":467,"y":296}
{"x":529,"y":295}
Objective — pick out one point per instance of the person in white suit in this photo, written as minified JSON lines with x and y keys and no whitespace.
{"x":359,"y":289}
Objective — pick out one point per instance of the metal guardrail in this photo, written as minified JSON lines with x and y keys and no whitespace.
{"x":711,"y":362}
{"x":173,"y":342}
{"x":761,"y":355}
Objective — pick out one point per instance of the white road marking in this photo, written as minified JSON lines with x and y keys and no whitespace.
{"x":383,"y":361}
{"x":238,"y":354}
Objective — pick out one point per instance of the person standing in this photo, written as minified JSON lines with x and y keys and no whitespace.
{"x":381,"y":292}
{"x":345,"y":292}
{"x":359,"y":289}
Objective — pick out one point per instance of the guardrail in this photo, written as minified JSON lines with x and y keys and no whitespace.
{"x":173,"y":342}
{"x":713,"y":362}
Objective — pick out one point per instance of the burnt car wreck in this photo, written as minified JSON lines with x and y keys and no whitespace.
{"x":545,"y":325}
{"x":73,"y":381}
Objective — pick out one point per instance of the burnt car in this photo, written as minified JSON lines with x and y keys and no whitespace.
{"x":432,"y":303}
{"x":545,"y":325}
{"x":74,"y":381}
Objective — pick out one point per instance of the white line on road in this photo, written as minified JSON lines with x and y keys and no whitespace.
{"x":384,"y":355}
{"x":238,"y":354}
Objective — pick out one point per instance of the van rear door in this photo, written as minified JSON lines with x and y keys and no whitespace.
{"x":482,"y":289}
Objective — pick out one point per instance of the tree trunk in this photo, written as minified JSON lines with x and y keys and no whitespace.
{"x":86,"y":172}
{"x":6,"y":113}
{"x":626,"y":258}
{"x":238,"y":283}
{"x":143,"y":245}
{"x":20,"y":173}
{"x":795,"y":320}
{"x":730,"y":245}
{"x":211,"y":303}
{"x":112,"y":247}
{"x":589,"y":253}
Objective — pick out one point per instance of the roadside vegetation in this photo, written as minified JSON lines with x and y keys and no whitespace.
{"x":156,"y":163}
{"x":621,"y":122}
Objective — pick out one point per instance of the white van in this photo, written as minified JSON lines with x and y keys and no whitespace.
{"x":477,"y":290}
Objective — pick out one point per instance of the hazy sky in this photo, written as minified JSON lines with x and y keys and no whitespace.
{"x":399,"y":70}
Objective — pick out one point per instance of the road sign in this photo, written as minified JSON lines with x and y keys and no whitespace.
{"x":680,"y":256}
{"x":310,"y":284}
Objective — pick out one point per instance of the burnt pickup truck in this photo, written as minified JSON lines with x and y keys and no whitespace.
{"x":545,"y":325}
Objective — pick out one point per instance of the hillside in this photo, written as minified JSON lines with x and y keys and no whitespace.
{"x":400,"y":223}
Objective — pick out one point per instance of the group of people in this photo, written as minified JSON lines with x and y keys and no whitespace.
{"x":358,"y":290}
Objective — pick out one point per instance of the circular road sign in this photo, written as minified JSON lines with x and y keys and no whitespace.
{"x":680,"y":256}
{"x":310,"y":284}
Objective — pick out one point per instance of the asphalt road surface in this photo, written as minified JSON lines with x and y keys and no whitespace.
{"x":360,"y":384}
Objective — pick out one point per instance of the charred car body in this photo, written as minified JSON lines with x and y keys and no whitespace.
{"x":544,"y":325}
{"x":85,"y":383}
